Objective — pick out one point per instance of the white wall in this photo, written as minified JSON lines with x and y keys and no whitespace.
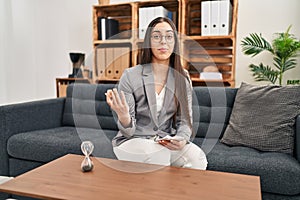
{"x":37,"y":35}
{"x":5,"y":15}
{"x":266,"y":17}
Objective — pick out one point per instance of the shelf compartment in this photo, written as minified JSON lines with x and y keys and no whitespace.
{"x":170,"y":5}
{"x":120,"y":12}
{"x":192,"y":21}
{"x":203,"y":53}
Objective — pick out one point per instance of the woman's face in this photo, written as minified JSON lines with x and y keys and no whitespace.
{"x":162,"y":42}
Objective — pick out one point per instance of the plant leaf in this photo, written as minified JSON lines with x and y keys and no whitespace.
{"x":284,"y":65}
{"x":254,"y":44}
{"x":289,"y":64}
{"x":264,"y":73}
{"x":285,"y":45}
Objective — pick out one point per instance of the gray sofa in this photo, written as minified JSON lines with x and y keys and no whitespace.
{"x":34,"y":133}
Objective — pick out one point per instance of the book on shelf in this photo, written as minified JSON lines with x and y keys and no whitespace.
{"x":107,"y":28}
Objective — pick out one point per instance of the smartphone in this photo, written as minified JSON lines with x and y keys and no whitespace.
{"x":164,"y":142}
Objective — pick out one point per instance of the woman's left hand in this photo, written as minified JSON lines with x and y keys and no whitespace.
{"x":173,"y":144}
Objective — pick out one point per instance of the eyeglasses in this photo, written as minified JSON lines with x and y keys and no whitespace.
{"x":158,"y":38}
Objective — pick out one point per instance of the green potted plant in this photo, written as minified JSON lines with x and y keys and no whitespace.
{"x":284,"y":48}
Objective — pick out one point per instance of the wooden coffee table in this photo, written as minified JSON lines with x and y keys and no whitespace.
{"x":114,"y":179}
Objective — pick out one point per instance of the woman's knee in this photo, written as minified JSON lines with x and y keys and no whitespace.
{"x":191,"y":156}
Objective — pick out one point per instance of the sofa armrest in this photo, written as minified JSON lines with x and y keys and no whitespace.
{"x":297,"y":138}
{"x":23,"y":117}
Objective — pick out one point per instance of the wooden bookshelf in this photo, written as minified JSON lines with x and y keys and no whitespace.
{"x":201,"y":51}
{"x":197,"y":51}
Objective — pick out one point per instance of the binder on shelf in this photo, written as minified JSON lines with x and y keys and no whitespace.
{"x":216,"y":17}
{"x":125,"y":59}
{"x":147,"y":14}
{"x":100,"y":62}
{"x":107,"y":28}
{"x":109,"y":70}
{"x":205,"y":18}
{"x":143,"y":19}
{"x":121,"y":61}
{"x":117,"y":62}
{"x":225,"y":17}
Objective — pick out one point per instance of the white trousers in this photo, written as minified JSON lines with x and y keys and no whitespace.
{"x":149,"y":151}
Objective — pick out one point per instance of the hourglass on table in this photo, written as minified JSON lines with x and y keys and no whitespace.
{"x":87,"y":148}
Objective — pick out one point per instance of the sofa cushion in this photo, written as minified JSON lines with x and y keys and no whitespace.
{"x":263,"y":117}
{"x":211,"y":110}
{"x":279,"y":172}
{"x":49,"y":144}
{"x":18,"y":166}
{"x":86,"y":106}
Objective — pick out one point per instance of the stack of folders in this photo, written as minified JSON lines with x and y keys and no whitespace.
{"x":216,"y":17}
{"x":147,"y":14}
{"x":211,"y":76}
{"x":111,"y":62}
{"x":107,"y":28}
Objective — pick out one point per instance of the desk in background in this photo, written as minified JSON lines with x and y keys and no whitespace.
{"x":62,"y":84}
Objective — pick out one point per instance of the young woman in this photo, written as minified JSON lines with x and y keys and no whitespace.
{"x":154,"y":100}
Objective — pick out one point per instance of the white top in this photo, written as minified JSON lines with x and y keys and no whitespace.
{"x":160,"y":100}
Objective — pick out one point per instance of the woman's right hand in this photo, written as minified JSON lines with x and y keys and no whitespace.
{"x":119,"y":105}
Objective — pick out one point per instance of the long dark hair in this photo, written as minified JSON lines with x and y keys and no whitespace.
{"x":146,"y":50}
{"x":175,"y":63}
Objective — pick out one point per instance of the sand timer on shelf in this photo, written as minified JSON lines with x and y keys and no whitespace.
{"x":87,"y":148}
